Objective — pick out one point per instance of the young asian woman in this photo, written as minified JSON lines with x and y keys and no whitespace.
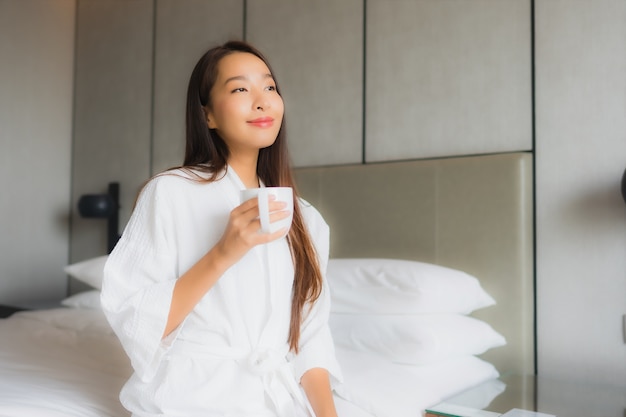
{"x":217,"y":318}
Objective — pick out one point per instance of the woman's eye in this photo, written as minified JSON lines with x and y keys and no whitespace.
{"x":271,"y":88}
{"x":238,"y":90}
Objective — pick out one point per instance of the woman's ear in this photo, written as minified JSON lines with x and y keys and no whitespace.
{"x":210,"y":120}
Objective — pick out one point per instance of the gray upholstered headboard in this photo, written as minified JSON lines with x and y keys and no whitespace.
{"x":469,"y":213}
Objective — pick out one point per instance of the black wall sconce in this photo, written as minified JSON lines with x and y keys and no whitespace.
{"x":103,"y":206}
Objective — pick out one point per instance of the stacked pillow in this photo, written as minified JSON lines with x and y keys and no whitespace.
{"x":408,"y":312}
{"x":90,"y":272}
{"x":410,"y":320}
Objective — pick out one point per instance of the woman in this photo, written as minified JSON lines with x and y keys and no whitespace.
{"x":217,"y":318}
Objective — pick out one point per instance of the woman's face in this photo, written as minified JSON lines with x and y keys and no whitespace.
{"x":246,"y":110}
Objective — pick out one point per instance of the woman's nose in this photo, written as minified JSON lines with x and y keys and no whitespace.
{"x":261,"y":102}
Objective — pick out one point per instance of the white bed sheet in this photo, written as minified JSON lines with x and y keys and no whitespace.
{"x":67,"y":362}
{"x":60,"y":362}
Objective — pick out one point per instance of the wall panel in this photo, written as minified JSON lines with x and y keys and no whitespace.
{"x":447,"y":78}
{"x":36,"y":63}
{"x":184,"y":31}
{"x":581,"y":218}
{"x":113,"y":93}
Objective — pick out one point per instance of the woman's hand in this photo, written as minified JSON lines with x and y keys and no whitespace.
{"x":243,"y":231}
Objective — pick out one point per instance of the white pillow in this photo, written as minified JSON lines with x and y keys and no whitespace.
{"x":414,"y":339}
{"x":387,"y":389}
{"x":86,"y":299}
{"x":391,"y":286}
{"x":90,"y":271}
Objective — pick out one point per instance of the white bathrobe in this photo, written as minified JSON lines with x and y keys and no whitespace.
{"x":230,"y":356}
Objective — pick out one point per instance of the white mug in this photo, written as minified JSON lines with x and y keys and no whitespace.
{"x":262,"y":194}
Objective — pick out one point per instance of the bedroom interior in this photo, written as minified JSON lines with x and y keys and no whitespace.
{"x":496,"y":148}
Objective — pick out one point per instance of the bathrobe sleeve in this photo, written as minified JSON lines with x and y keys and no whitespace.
{"x":139,"y":279}
{"x":317,"y":349}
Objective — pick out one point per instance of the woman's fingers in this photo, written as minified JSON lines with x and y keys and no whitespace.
{"x":243,"y":229}
{"x":248,"y":211}
{"x":277,"y":212}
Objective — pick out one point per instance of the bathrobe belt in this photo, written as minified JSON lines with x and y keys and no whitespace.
{"x":270,"y":364}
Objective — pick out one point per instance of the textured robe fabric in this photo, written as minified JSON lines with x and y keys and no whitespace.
{"x":230,"y":356}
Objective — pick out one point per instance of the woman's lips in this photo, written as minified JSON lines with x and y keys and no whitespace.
{"x":262,"y":122}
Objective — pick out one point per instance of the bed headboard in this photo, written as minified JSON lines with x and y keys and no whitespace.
{"x":468,"y":213}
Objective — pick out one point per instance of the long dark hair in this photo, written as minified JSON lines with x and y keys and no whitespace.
{"x":207,"y":152}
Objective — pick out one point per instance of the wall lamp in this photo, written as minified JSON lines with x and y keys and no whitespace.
{"x":103,"y":206}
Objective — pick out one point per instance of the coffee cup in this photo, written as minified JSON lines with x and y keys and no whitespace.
{"x":262,"y":195}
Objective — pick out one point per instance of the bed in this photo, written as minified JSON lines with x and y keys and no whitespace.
{"x":431,"y":283}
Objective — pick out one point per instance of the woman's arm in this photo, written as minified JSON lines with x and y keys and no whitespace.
{"x":316,"y":384}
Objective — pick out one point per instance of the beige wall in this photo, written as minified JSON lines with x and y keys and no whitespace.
{"x":447,"y":78}
{"x":36,"y":76}
{"x":581,"y":218}
{"x":113,"y":94}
